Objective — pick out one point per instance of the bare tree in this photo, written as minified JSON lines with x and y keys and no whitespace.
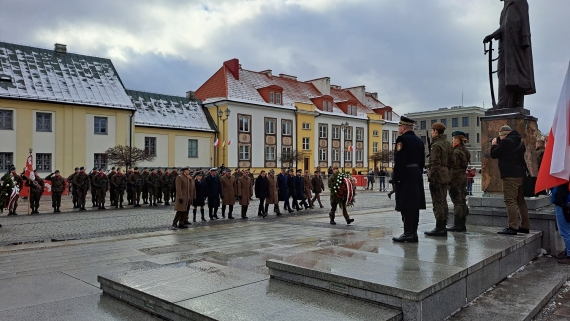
{"x":292,"y":157}
{"x":127,"y":156}
{"x":382,"y":157}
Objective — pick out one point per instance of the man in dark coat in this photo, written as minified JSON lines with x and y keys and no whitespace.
{"x":57,"y":187}
{"x":509,"y":149}
{"x":300,"y":190}
{"x":515,"y":67}
{"x":213,"y":192}
{"x":292,"y":189}
{"x":199,"y":200}
{"x":283,"y":189}
{"x":409,"y":161}
{"x":261,"y":192}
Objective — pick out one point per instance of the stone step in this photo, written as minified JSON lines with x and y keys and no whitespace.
{"x":208,"y":291}
{"x":519,"y":297}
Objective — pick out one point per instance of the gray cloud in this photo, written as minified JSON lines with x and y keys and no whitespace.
{"x":418,"y":55}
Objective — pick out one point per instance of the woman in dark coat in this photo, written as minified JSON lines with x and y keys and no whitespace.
{"x":213,"y":192}
{"x":200,"y":196}
{"x":261,"y":192}
{"x":283,"y":189}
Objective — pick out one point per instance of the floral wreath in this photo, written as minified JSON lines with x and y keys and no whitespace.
{"x":342,"y":189}
{"x":8,"y":188}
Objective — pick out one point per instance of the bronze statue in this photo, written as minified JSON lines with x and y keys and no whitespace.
{"x":515,"y":68}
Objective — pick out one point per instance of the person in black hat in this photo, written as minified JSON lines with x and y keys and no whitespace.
{"x":72,"y":189}
{"x":200,"y":200}
{"x":19,"y":182}
{"x":292,"y":190}
{"x":407,"y":177}
{"x":57,"y":188}
{"x":81,"y":183}
{"x":213,"y":192}
{"x":283,"y":189}
{"x":458,"y":181}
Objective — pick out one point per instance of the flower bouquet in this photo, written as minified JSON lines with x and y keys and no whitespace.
{"x":342,"y":189}
{"x":7,"y":185}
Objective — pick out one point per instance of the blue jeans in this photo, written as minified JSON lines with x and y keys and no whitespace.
{"x":382,"y":183}
{"x":469,"y":186}
{"x":563,"y":227}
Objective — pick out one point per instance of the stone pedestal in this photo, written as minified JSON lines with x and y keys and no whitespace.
{"x":518,"y":119}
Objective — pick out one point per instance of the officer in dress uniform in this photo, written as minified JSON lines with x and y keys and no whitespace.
{"x":409,"y":161}
{"x":73,"y":190}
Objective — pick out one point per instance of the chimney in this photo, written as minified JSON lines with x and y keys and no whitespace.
{"x":288,"y":76}
{"x":266,"y":72}
{"x":190,"y":94}
{"x":335,"y":87}
{"x":359,"y":92}
{"x":59,"y":48}
{"x":375,"y":95}
{"x":233,"y":67}
{"x":323,"y":85}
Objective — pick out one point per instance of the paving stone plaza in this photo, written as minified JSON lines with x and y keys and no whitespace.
{"x":295,"y":267}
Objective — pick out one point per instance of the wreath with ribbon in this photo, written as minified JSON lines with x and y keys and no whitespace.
{"x":343,"y":189}
{"x":7,"y":189}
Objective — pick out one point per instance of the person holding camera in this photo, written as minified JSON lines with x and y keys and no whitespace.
{"x":561,"y":200}
{"x":509,"y":149}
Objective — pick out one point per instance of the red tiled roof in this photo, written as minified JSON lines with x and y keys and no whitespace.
{"x":215,"y":87}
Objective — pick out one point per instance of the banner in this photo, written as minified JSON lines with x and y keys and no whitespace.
{"x":47,"y":189}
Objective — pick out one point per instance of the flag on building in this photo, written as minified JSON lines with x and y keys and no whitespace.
{"x":555,"y":166}
{"x":351,"y":148}
{"x":229,"y":142}
{"x":216,"y":143}
{"x":223,"y":143}
{"x":29,"y":171}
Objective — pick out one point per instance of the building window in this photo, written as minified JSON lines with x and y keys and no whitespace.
{"x":335,"y":155}
{"x":101,"y":125}
{"x":323,"y":131}
{"x":43,"y":162}
{"x":306,"y":143}
{"x":322,"y":155}
{"x":6,"y":161}
{"x":444,"y":121}
{"x":375,"y":147}
{"x":43,"y":122}
{"x":327,"y":106}
{"x":271,"y":98}
{"x":424,"y":139}
{"x":395,"y":135}
{"x":433,"y":121}
{"x":359,"y":134}
{"x":347,"y":156}
{"x":467,"y":136}
{"x":478,"y":120}
{"x":243,"y":123}
{"x":192,"y":148}
{"x":375,"y":133}
{"x":336,"y":132}
{"x":286,"y":151}
{"x":351,"y":110}
{"x":270,"y":126}
{"x":6,"y":119}
{"x":244,"y":152}
{"x":359,"y":156}
{"x":478,"y":156}
{"x":385,"y":136}
{"x":278,"y":98}
{"x":269,"y":153}
{"x":454,"y":122}
{"x":150,"y":146}
{"x":100,"y":160}
{"x":287,"y":127}
{"x":388,"y":115}
{"x":423,"y":125}
{"x":306,"y":126}
{"x":348,"y":133}
{"x":478,"y":137}
{"x":465,"y":121}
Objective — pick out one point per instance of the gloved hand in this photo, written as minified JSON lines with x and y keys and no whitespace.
{"x":180,"y":200}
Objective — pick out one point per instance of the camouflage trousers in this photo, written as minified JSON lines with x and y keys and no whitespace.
{"x":458,"y":194}
{"x":439,"y":200}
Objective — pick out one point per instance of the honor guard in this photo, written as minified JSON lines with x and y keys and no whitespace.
{"x":144,"y":174}
{"x":92,"y":175}
{"x":119,"y":183}
{"x":137,"y":183}
{"x":57,"y":188}
{"x":111,"y":187}
{"x":19,"y":182}
{"x":81,"y":183}
{"x":72,"y":188}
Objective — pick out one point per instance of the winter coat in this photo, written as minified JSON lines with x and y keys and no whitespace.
{"x":299,"y":187}
{"x":119,"y":181}
{"x":291,"y":186}
{"x":185,"y":193}
{"x":57,"y":183}
{"x":273,"y":194}
{"x":261,"y":187}
{"x":200,"y":187}
{"x":213,"y":191}
{"x":307,"y":186}
{"x":407,"y":177}
{"x":317,"y":184}
{"x":510,"y":152}
{"x":283,"y":187}
{"x":244,"y":190}
{"x":228,"y":190}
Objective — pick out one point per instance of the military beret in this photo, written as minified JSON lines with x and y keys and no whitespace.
{"x":145,"y":168}
{"x":152,"y":169}
{"x":458,"y":133}
{"x":113,"y":168}
{"x":406,"y":121}
{"x":76,"y":168}
{"x":81,"y":168}
{"x":12,"y":168}
{"x":438,"y":125}
{"x":136,"y":168}
{"x":56,"y":171}
{"x":283,"y":168}
{"x":290,"y":170}
{"x":299,"y":171}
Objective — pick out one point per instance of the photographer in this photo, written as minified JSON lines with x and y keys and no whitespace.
{"x":509,"y":149}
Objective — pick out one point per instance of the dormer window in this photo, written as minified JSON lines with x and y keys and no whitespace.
{"x":275,"y":98}
{"x":272,"y":94}
{"x":351,"y":110}
{"x":278,"y":98}
{"x":271,"y":98}
{"x":327,"y":106}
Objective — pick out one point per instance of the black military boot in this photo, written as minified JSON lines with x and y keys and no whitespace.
{"x":202,"y":213}
{"x":230,"y":211}
{"x":194,"y":215}
{"x":210,"y":210}
{"x":407,"y":237}
{"x":244,"y":212}
{"x":57,"y":209}
{"x":223,"y":211}
{"x":121,"y":206}
{"x":458,"y":226}
{"x":439,"y":229}
{"x":216,"y":213}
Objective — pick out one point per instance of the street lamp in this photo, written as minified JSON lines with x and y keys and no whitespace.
{"x":343,"y":127}
{"x":220,"y":117}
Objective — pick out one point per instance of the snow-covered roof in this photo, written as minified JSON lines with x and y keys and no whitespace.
{"x":46,"y":75}
{"x":156,"y":110}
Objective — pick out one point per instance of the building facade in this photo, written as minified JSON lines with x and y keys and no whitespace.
{"x":466,"y":119}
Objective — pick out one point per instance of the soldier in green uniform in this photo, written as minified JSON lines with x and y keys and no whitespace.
{"x":438,"y":176}
{"x":137,"y":183}
{"x":166,"y":182}
{"x":111,"y":187}
{"x":151,"y":182}
{"x":92,"y":175}
{"x":72,"y":189}
{"x":119,"y":182}
{"x":81,"y":183}
{"x":458,"y":181}
{"x":36,"y":191}
{"x":144,"y":174}
{"x":18,"y":181}
{"x":158,"y":187}
{"x":334,"y":205}
{"x":129,"y":186}
{"x":57,"y":187}
{"x":101,"y":183}
{"x":173,"y":176}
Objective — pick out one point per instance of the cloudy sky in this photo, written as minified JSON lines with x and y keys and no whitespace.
{"x":417,"y":54}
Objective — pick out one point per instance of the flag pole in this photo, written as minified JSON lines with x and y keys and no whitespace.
{"x":29,"y":186}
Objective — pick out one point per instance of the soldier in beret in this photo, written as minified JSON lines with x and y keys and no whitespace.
{"x":144,"y":174}
{"x":36,"y":191}
{"x":137,"y":183}
{"x":152,"y":184}
{"x":92,"y":175}
{"x":73,"y":190}
{"x":18,"y":181}
{"x":57,"y":188}
{"x":460,"y":158}
{"x":119,"y":183}
{"x":438,"y":176}
{"x":81,"y":183}
{"x":111,"y":187}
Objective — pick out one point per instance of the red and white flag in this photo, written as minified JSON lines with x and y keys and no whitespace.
{"x":216,"y":143}
{"x":229,"y":142}
{"x":555,"y":166}
{"x":29,"y":172}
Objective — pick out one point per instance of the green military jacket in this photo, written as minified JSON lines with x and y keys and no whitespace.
{"x":439,"y":160}
{"x":459,"y":160}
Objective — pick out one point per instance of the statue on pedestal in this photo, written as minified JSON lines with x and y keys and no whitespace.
{"x":515,"y":67}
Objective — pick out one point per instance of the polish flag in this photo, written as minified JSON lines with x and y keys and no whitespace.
{"x":351,"y":148}
{"x":555,"y":167}
{"x":229,"y":142}
{"x":29,"y":172}
{"x":216,"y":143}
{"x":224,"y":143}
